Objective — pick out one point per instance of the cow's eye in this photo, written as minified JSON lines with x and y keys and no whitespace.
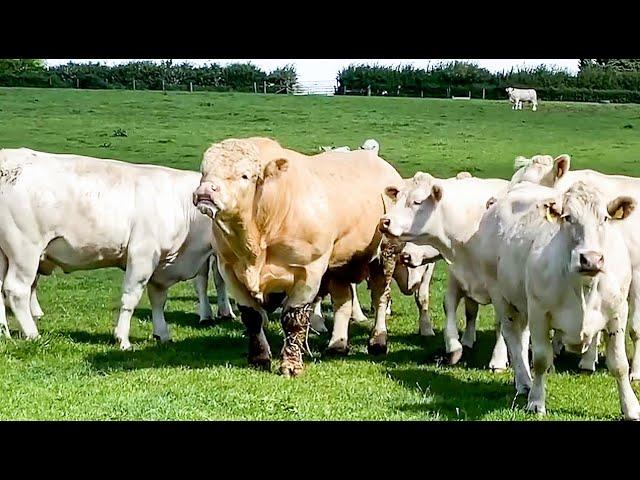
{"x":568,"y":218}
{"x":417,"y":202}
{"x":606,"y":219}
{"x":245,"y":177}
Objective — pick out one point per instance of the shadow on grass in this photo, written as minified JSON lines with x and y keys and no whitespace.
{"x":454,"y":398}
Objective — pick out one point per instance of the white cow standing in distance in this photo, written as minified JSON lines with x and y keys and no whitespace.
{"x":83,"y":213}
{"x":519,"y":95}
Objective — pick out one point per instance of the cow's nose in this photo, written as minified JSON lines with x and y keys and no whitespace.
{"x":591,"y":262}
{"x":385,"y":223}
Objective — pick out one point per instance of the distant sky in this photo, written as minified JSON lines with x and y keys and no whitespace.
{"x":327,"y":69}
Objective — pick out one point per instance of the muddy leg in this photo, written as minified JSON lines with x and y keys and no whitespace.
{"x":381,"y":276}
{"x":295,"y":323}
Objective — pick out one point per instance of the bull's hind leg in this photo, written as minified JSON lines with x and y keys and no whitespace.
{"x":158,"y":299}
{"x":341,"y":296}
{"x":21,"y":273}
{"x":225,"y":312}
{"x":259,"y":351}
{"x":317,"y":319}
{"x":381,"y":275}
{"x":356,"y":312}
{"x":36,"y":311}
{"x":140,"y":267}
{"x":4,"y":326}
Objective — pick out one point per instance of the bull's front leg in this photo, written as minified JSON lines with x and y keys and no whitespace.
{"x":356,"y":311}
{"x":452,"y":344}
{"x":381,"y":278}
{"x":36,"y":311}
{"x":619,"y":366}
{"x":295,"y":324}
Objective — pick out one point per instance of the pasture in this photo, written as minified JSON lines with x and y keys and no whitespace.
{"x":75,"y":371}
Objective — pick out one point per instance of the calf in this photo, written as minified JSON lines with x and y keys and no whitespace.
{"x":519,"y":95}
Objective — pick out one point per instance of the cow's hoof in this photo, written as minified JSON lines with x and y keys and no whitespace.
{"x":452,"y":358}
{"x":161,"y":339}
{"x":291,"y":369}
{"x":125,"y":346}
{"x":224,"y":318}
{"x":336,"y":351}
{"x":536,"y":407}
{"x":261,"y":363}
{"x":206,"y":322}
{"x":378,"y":344}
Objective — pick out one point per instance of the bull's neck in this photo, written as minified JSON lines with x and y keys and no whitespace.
{"x":243,"y":236}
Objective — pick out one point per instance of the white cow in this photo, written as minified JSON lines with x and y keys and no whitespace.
{"x":561,"y":263}
{"x":545,"y":170}
{"x":519,"y":95}
{"x":83,"y":213}
{"x":445,"y":214}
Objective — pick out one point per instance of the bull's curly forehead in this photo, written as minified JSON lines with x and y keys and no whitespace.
{"x":235,"y":156}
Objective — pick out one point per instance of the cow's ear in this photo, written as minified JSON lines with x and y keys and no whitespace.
{"x":275,"y":168}
{"x":436,"y":193}
{"x":551,"y":211}
{"x":561,"y":165}
{"x":621,"y":207}
{"x":392,"y":192}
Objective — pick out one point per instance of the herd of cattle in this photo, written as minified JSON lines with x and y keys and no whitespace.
{"x":552,"y":250}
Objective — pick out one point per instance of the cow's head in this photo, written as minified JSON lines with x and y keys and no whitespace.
{"x":414,"y":256}
{"x":585,"y":216}
{"x":540,"y":169}
{"x":509,"y":90}
{"x":414,"y":210}
{"x":371,"y":144}
{"x":231,"y":170}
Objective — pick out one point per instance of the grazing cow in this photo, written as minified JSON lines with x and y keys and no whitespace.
{"x":545,"y":170}
{"x":83,"y":213}
{"x":519,"y":95}
{"x":562,"y":265}
{"x":284,"y":228}
{"x":445,"y":214}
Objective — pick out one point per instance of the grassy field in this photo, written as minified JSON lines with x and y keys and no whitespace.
{"x":76,"y":371}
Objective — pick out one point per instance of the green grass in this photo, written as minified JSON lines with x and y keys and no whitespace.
{"x":76,"y":371}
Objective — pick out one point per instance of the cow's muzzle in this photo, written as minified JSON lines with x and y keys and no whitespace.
{"x":591,"y":263}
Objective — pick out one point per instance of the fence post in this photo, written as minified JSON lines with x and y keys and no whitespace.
{"x":134,"y":83}
{"x":255,"y":87}
{"x":483,"y":93}
{"x":264,"y":87}
{"x":398,"y":91}
{"x":191,"y":87}
{"x":77,"y":83}
{"x":163,"y":84}
{"x":50,"y":81}
{"x":421,"y":93}
{"x":368,"y":90}
{"x":469,"y":94}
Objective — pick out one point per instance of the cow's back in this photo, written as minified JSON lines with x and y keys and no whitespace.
{"x":80,"y":201}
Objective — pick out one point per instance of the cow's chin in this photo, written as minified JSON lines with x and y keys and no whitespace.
{"x":207,"y":208}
